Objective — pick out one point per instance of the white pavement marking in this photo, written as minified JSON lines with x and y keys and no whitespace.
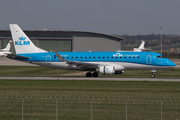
{"x":91,"y":78}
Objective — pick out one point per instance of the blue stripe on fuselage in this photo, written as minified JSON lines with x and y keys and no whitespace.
{"x":122,"y":56}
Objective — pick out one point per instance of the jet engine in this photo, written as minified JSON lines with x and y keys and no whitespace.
{"x":106,"y":70}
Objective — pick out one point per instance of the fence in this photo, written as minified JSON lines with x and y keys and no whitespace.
{"x":171,"y":55}
{"x":87,"y":107}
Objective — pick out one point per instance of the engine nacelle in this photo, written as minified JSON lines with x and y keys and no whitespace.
{"x":106,"y":70}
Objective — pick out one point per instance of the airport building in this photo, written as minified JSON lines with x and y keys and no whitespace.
{"x":66,"y":41}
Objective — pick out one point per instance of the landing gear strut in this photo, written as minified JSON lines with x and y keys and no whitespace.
{"x":94,"y":74}
{"x":153,"y":73}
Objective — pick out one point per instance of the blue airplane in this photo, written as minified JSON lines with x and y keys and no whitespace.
{"x":107,"y":63}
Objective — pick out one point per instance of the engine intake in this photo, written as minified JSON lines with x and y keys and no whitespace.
{"x":106,"y":70}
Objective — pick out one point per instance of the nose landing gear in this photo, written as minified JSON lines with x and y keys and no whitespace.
{"x":153,"y":73}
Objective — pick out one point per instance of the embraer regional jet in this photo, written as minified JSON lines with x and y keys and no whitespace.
{"x":95,"y":62}
{"x":141,"y":47}
{"x":5,"y":51}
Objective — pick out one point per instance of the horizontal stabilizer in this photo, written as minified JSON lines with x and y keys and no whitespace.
{"x":13,"y":56}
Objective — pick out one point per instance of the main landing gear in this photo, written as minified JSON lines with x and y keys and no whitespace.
{"x":153,"y":73}
{"x":89,"y":74}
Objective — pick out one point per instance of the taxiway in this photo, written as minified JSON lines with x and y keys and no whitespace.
{"x":91,"y":78}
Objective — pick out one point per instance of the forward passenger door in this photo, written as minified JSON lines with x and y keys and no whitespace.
{"x":148,"y":59}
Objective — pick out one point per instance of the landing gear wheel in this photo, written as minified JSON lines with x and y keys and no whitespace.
{"x":153,"y":75}
{"x":88,"y":74}
{"x":95,"y":74}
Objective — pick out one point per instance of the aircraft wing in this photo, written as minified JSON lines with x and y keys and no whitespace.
{"x":83,"y":65}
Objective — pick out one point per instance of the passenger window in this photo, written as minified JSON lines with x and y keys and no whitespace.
{"x":99,"y":57}
{"x":85,"y":57}
{"x":120,"y":57}
{"x":89,"y":57}
{"x":107,"y":57}
{"x":129,"y":57}
{"x":125,"y":57}
{"x":76,"y":57}
{"x":94,"y":57}
{"x":138,"y":57}
{"x":112,"y":57}
{"x":103,"y":57}
{"x":81,"y":57}
{"x":54,"y":56}
{"x":71,"y":57}
{"x":67,"y":57}
{"x":133,"y":57}
{"x":116,"y":57}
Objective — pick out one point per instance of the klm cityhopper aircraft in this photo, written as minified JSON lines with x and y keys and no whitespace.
{"x":95,"y":62}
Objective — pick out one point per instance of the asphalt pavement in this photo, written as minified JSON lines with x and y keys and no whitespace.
{"x":92,"y":78}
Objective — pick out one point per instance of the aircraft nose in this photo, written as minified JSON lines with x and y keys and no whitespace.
{"x":170,"y":63}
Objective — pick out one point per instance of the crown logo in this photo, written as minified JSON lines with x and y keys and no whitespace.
{"x":22,"y":38}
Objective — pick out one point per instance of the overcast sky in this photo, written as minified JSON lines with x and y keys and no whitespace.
{"x":103,"y":16}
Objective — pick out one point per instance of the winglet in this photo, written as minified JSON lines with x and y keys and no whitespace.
{"x":59,"y":57}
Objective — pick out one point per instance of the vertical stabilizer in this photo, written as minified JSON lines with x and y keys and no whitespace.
{"x":21,"y":42}
{"x":8,"y":47}
{"x":142,"y":45}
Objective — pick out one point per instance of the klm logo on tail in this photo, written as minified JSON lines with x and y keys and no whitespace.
{"x":22,"y":38}
{"x":22,"y":41}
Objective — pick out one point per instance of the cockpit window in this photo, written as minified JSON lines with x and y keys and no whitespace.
{"x":160,"y":56}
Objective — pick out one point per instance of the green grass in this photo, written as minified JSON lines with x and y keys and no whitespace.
{"x":75,"y":96}
{"x":44,"y":71}
{"x":95,"y":88}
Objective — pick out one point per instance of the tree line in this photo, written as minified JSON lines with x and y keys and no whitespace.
{"x":171,"y":43}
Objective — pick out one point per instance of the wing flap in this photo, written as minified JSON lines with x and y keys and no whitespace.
{"x":83,"y":64}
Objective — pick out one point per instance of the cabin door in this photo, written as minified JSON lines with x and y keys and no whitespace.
{"x":148,"y":59}
{"x":48,"y":59}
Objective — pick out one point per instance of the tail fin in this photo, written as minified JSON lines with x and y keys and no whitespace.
{"x":7,"y":49}
{"x":142,"y":45}
{"x":22,"y":43}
